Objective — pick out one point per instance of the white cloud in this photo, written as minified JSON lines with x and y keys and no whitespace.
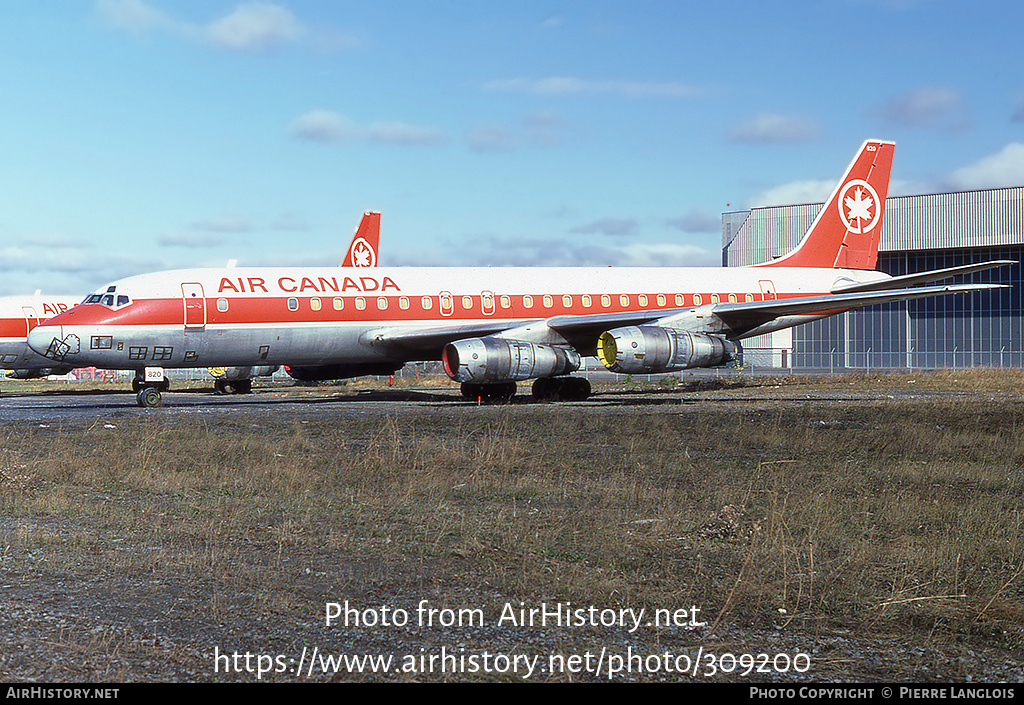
{"x":403,"y":134}
{"x":696,"y":221}
{"x":323,"y":126}
{"x":773,"y":127}
{"x":615,"y":227}
{"x":253,"y":26}
{"x":935,"y":108}
{"x":542,"y":129}
{"x":570,"y":85}
{"x":223,"y":224}
{"x":491,"y":138}
{"x":794,"y":193}
{"x":669,"y":255}
{"x":139,"y":18}
{"x":331,"y":127}
{"x":489,"y":249}
{"x":1004,"y":168}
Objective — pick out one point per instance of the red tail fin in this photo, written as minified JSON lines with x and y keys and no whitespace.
{"x":363,"y":250}
{"x":845,"y":234}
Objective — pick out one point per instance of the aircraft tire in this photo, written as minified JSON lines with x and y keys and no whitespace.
{"x":149,"y":397}
{"x":579,"y":388}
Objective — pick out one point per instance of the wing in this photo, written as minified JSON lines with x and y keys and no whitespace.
{"x":731,"y":320}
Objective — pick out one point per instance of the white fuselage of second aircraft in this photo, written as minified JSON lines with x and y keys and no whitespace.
{"x":18,"y":316}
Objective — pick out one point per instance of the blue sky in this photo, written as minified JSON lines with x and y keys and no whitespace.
{"x":154,"y":134}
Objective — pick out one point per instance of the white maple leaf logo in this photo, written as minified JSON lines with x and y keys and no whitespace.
{"x":859,"y":206}
{"x":362,"y":254}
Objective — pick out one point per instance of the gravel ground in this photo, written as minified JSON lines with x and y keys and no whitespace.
{"x":87,"y":624}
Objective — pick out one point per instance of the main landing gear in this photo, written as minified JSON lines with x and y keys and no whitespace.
{"x":147,"y":391}
{"x":544,"y":389}
{"x":488,"y":393}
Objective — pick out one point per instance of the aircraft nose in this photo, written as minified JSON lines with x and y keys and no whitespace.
{"x":41,"y":338}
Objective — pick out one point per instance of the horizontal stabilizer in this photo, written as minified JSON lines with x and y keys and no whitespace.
{"x":919,"y":278}
{"x":741,"y":317}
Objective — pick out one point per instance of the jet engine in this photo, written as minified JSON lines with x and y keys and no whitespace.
{"x":492,"y":360}
{"x":652,"y":349}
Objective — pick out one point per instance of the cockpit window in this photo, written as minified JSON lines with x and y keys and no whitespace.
{"x":110,"y":298}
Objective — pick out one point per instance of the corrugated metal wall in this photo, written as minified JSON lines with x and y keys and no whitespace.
{"x":919,"y":233}
{"x":929,"y":222}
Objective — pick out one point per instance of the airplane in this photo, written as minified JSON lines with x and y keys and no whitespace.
{"x":494,"y":327}
{"x":20,"y":314}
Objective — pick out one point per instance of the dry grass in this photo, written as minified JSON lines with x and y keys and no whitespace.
{"x":882,"y":518}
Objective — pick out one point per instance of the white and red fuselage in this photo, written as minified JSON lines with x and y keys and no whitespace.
{"x":326,"y":316}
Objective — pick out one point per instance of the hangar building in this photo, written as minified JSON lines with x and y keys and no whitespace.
{"x":919,"y":233}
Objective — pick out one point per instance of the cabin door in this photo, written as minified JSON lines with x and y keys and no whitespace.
{"x":195,"y":305}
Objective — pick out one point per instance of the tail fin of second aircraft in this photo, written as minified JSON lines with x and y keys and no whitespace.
{"x":363,"y":250}
{"x":846,"y":232}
